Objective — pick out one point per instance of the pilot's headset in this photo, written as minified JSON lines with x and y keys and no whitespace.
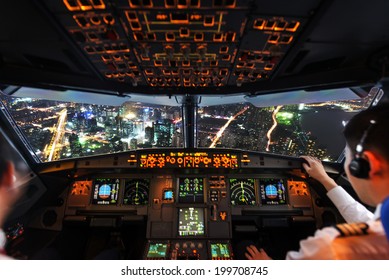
{"x":360,"y":167}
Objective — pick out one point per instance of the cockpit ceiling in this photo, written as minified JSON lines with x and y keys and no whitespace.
{"x":178,"y":43}
{"x":193,"y":46}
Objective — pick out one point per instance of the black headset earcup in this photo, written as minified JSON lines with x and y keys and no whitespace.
{"x":359,"y":167}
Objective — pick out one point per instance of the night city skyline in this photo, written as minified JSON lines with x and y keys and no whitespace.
{"x":58,"y":130}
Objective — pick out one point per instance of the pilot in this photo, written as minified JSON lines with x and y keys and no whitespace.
{"x":8,"y":192}
{"x":367,"y":168}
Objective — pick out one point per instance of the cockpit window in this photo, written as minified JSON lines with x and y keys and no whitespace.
{"x":59,"y":130}
{"x":293,"y":130}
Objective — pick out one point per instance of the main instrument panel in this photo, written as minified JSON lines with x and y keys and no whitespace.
{"x":189,"y":199}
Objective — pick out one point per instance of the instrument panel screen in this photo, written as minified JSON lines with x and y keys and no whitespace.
{"x":191,"y":221}
{"x":105,"y":191}
{"x":220,"y":251}
{"x":242,"y":192}
{"x":272,"y":191}
{"x":191,"y":190}
{"x":136,"y":192}
{"x":157,"y":250}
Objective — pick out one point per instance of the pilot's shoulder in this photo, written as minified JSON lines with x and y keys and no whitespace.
{"x":354,"y":229}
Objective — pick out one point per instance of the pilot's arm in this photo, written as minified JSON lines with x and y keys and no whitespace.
{"x":350,"y":209}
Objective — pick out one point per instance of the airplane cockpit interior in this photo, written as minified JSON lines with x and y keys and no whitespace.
{"x":173,"y":129}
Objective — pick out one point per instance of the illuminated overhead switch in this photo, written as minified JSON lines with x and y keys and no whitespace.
{"x":135,"y":26}
{"x":108,"y":19}
{"x":199,"y":37}
{"x":134,"y":3}
{"x":182,"y":4}
{"x":209,"y":21}
{"x":85,"y":5}
{"x":170,"y":37}
{"x":270,"y":24}
{"x":218,"y":37}
{"x":223,"y":72}
{"x":259,"y":24}
{"x":268,"y":67}
{"x":98,"y":4}
{"x":179,"y":18}
{"x":95,"y":20}
{"x":273,"y":39}
{"x":223,"y":49}
{"x":186,"y":63}
{"x":226,"y":57}
{"x":286,"y":39}
{"x":131,"y":16}
{"x":157,"y":63}
{"x":292,"y":26}
{"x":71,"y":5}
{"x":184,"y":32}
{"x":213,"y":63}
{"x":280,"y":26}
{"x":106,"y":57}
{"x":149,"y":72}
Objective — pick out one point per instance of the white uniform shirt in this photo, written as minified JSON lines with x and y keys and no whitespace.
{"x":328,"y":243}
{"x":350,"y":209}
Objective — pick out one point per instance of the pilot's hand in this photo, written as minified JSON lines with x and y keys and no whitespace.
{"x":254,"y":254}
{"x":315,"y":169}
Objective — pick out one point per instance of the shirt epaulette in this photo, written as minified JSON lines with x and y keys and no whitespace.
{"x":352,"y":229}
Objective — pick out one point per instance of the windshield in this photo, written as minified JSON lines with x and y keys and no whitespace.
{"x":302,"y":129}
{"x":59,"y":130}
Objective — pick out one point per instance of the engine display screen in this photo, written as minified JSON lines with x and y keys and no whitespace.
{"x":157,"y":250}
{"x":191,"y":221}
{"x":105,"y":191}
{"x":272,"y":191}
{"x":220,"y":251}
{"x":191,"y":190}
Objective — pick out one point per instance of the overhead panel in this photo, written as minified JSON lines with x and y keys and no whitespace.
{"x":178,"y":43}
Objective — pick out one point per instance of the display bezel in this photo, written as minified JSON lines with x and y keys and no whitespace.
{"x":99,"y":182}
{"x":192,"y":196}
{"x":180,"y":219}
{"x":265,"y":181}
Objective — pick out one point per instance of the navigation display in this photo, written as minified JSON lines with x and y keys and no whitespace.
{"x":136,"y":191}
{"x":191,"y":190}
{"x":157,"y":250}
{"x":242,"y":192}
{"x":105,"y":191}
{"x":272,"y":191}
{"x":220,"y":251}
{"x":191,"y":221}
